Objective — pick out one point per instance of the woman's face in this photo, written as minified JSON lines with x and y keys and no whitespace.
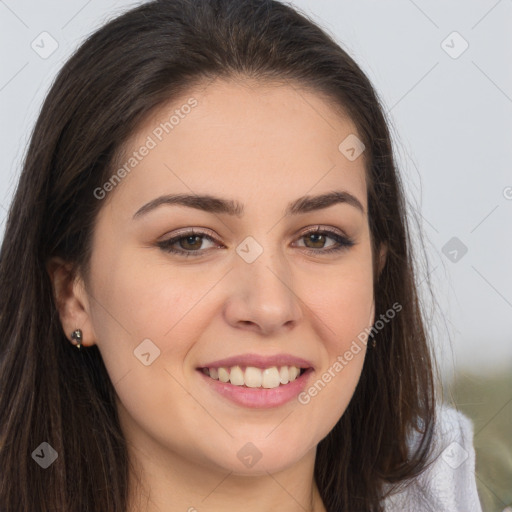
{"x":250,"y":283}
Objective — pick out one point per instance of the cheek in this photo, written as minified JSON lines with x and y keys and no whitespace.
{"x":135,"y":302}
{"x":332,"y":387}
{"x":343,"y":301}
{"x":344,"y":309}
{"x":146,"y":299}
{"x":160,"y":310}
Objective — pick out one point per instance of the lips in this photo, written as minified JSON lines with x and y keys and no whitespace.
{"x":257,"y":381}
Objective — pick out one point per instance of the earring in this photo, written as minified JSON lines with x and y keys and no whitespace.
{"x":77,"y":336}
{"x":374,"y":343}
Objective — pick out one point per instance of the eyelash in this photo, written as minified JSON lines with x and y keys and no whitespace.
{"x":343,"y":241}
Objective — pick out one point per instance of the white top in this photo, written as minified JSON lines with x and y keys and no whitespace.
{"x":448,"y":484}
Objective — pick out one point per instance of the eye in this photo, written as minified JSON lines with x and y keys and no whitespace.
{"x":318,"y":237}
{"x":189,"y":243}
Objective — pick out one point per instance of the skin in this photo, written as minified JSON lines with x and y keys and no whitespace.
{"x":263,"y":145}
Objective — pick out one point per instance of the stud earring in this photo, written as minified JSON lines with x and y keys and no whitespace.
{"x":77,"y":336}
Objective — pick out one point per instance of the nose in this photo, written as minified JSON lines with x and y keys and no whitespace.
{"x":262,"y":297}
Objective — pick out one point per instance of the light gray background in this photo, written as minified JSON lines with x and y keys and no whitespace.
{"x":451,"y":119}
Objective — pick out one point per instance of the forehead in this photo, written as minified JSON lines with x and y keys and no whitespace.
{"x":255,"y":138}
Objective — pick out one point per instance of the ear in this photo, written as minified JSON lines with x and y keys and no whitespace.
{"x":71,"y":300}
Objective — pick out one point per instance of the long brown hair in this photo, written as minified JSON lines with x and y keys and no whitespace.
{"x":52,"y":393}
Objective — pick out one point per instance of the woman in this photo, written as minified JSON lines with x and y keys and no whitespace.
{"x":208,"y":296}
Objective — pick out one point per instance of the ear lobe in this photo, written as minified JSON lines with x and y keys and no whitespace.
{"x":70,"y":299}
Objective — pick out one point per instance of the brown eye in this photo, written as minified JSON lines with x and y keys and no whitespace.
{"x":186,"y":244}
{"x":316,"y":239}
{"x":190,"y":242}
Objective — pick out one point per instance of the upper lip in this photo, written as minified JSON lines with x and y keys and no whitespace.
{"x":259,"y":361}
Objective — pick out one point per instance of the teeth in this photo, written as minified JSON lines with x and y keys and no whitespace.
{"x":223,"y":375}
{"x":236,"y":376}
{"x":284,"y":375}
{"x":271,"y":377}
{"x":253,"y":377}
{"x":294,"y":372}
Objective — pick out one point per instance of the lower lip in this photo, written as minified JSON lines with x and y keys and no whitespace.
{"x":260,"y":398}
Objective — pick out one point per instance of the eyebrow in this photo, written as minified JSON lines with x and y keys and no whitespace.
{"x":214,"y":204}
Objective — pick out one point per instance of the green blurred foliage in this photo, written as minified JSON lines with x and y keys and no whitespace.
{"x":487,"y":401}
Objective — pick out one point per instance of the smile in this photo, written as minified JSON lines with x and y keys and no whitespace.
{"x":250,"y":386}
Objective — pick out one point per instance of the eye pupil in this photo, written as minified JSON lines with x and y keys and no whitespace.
{"x":318,"y":237}
{"x":190,"y":239}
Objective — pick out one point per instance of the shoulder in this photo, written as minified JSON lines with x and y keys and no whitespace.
{"x":448,"y":484}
